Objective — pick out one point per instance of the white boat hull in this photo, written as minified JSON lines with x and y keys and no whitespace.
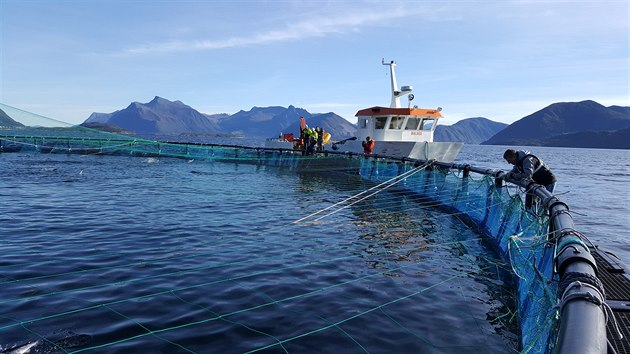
{"x":440,"y":151}
{"x":278,"y":144}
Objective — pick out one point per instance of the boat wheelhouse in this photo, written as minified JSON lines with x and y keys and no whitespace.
{"x":399,"y":131}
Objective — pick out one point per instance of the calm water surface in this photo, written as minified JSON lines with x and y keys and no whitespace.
{"x":126,"y":254}
{"x":111,"y":254}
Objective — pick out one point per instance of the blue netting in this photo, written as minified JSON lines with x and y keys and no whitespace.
{"x":517,"y":234}
{"x":520,"y":237}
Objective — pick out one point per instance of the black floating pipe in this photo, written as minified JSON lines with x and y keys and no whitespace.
{"x":582,"y":327}
{"x":581,"y":294}
{"x":466,"y":171}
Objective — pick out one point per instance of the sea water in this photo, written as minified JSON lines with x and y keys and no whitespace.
{"x":595,"y":184}
{"x":115,"y":254}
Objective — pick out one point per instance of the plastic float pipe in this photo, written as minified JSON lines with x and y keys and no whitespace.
{"x":582,"y":325}
{"x":582,"y":318}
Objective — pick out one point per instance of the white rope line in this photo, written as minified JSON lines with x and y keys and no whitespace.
{"x":356,"y":195}
{"x":403,"y":175}
{"x":389,"y":183}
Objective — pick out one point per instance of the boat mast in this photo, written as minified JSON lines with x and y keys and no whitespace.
{"x":405,"y":90}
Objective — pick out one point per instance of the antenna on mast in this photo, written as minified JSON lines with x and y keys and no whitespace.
{"x":396,"y":93}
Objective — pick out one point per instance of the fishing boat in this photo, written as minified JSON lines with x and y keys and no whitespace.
{"x":397,"y":131}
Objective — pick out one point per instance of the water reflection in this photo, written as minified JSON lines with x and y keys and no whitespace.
{"x":405,"y":238}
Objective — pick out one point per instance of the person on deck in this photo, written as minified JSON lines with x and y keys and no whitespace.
{"x":312,"y":141}
{"x":320,"y":138}
{"x":304,"y":138}
{"x":528,"y":166}
{"x":368,"y":146}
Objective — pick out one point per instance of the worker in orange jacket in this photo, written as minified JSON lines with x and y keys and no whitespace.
{"x":368,"y":145}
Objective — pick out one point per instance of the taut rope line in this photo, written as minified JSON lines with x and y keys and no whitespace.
{"x":389,"y":183}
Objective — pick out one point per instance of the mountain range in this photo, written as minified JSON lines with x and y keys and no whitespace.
{"x":271,"y":121}
{"x":554,"y":125}
{"x":160,"y":116}
{"x":164,"y":117}
{"x":575,"y":124}
{"x":470,"y":130}
{"x":569,"y":124}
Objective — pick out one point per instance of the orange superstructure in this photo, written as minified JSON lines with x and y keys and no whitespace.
{"x":401,"y":131}
{"x":380,"y":111}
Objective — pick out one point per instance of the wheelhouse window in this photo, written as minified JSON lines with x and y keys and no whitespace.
{"x":379,"y":122}
{"x":396,"y":122}
{"x":413,"y":123}
{"x":363,"y":123}
{"x":427,"y":124}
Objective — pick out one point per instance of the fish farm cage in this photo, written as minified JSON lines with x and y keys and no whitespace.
{"x":572,"y":296}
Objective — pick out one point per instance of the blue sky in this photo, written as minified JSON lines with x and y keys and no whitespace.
{"x":501,"y":60}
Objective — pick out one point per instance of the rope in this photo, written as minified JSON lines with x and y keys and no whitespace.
{"x":387,"y":184}
{"x":578,"y":280}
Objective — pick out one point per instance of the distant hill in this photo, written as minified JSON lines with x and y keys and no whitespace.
{"x":560,"y":119}
{"x":8,"y":122}
{"x":469,"y":131}
{"x":617,"y":139}
{"x":105,"y":127}
{"x":160,"y":116}
{"x":271,"y":121}
{"x":263,"y":121}
{"x":620,"y":109}
{"x":216,"y":117}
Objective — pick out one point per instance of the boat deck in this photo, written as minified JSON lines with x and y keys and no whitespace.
{"x":616,"y":279}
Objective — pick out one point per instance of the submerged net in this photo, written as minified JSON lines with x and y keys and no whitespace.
{"x":519,"y":236}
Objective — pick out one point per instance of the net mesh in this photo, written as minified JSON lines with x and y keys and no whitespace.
{"x":518,"y":235}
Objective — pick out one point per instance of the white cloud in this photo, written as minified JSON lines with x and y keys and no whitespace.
{"x":314,"y":27}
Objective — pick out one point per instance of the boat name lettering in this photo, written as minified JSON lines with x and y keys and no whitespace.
{"x":416,"y":133}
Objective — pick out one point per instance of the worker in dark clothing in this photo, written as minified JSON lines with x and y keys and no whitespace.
{"x":312,"y":141}
{"x":320,"y":138}
{"x":304,"y":139}
{"x":528,"y":166}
